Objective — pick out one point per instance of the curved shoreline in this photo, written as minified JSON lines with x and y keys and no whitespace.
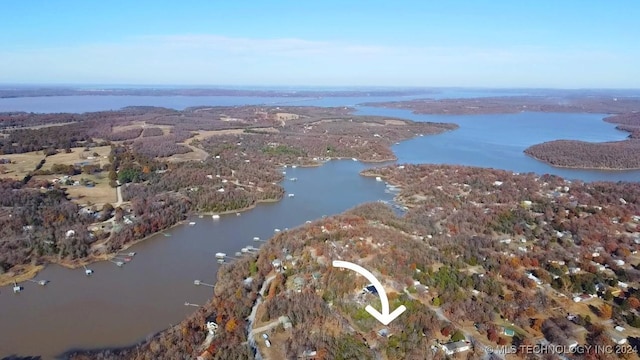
{"x":29,"y":272}
{"x":579,"y":167}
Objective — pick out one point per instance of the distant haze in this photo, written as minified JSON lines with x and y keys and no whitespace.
{"x":566,"y":44}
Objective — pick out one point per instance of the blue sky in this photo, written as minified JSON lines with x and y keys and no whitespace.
{"x":559,"y":44}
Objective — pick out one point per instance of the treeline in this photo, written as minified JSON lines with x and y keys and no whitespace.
{"x":627,"y":122}
{"x":160,"y":146}
{"x":53,"y":137}
{"x":515,"y":104}
{"x":632,"y":119}
{"x":581,"y":154}
{"x":125,"y":134}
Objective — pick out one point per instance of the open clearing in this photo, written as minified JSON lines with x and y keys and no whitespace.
{"x":79,"y":155}
{"x":166,"y":129}
{"x":202,"y":134}
{"x":98,"y":195}
{"x":394,"y":122}
{"x":21,"y":164}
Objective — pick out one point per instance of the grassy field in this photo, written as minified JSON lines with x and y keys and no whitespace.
{"x":79,"y":155}
{"x":142,"y":124}
{"x":98,"y":195}
{"x":21,"y":164}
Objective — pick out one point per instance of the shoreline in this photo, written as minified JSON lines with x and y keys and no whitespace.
{"x":580,"y":167}
{"x":31,"y":271}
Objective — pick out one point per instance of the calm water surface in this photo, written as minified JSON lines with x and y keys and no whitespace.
{"x":120,"y":306}
{"x":80,"y":104}
{"x":498,"y":141}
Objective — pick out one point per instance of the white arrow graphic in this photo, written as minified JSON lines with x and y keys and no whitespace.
{"x":385,"y":317}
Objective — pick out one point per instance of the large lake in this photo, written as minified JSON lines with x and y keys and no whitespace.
{"x":120,"y":306}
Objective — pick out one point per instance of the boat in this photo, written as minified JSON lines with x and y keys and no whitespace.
{"x":291,"y":195}
{"x":237,"y":214}
{"x":378,"y":178}
{"x":215,"y":217}
{"x":192,"y":223}
{"x":276,"y":230}
{"x":294,"y":166}
{"x":220,"y":261}
{"x":354,"y":159}
{"x":220,"y":255}
{"x":293,"y":179}
{"x":255,"y":238}
{"x":166,"y":235}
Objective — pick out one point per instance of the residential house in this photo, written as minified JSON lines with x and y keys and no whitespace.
{"x":456,"y":347}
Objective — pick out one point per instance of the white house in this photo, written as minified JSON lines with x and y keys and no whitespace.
{"x":277,"y":265}
{"x":211,"y":325}
{"x":456,"y":347}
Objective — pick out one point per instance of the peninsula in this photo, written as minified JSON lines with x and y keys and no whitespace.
{"x":615,"y":155}
{"x":484,"y":257}
{"x":77,"y":188}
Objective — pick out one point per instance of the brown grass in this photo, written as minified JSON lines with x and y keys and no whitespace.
{"x":21,"y":164}
{"x":77,"y":155}
{"x":166,"y":129}
{"x":202,"y":134}
{"x":394,"y":122}
{"x":99,"y":195}
{"x":20,"y":273}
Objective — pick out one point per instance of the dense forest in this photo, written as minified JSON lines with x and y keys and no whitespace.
{"x":566,"y":103}
{"x":581,"y":154}
{"x":462,"y":259}
{"x":627,"y":122}
{"x":606,"y":155}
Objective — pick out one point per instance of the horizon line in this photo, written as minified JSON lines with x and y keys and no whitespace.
{"x":299,"y":86}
